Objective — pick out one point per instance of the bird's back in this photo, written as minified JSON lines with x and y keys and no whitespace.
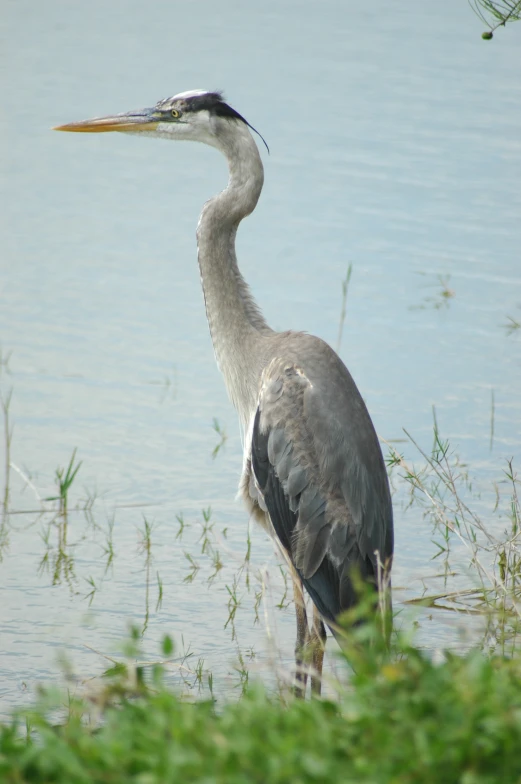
{"x":317,"y":468}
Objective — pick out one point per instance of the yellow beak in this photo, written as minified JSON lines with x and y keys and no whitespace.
{"x":143,"y":120}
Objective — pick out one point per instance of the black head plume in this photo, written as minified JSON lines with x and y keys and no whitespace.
{"x":212,"y":102}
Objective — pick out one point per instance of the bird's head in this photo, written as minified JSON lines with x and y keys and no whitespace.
{"x":196,"y":115}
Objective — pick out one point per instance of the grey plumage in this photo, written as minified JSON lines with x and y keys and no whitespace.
{"x":319,"y":469}
{"x":313,"y":473}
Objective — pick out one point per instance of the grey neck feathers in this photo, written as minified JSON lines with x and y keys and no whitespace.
{"x":237,"y":326}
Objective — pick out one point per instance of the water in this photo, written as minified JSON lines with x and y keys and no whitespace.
{"x":395,"y":145}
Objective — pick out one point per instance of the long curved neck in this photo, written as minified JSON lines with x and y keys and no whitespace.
{"x":236,"y":324}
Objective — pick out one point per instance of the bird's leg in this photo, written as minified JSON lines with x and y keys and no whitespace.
{"x":317,"y":643}
{"x":302,"y":635}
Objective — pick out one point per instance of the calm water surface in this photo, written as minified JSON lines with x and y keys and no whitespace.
{"x":395,"y":146}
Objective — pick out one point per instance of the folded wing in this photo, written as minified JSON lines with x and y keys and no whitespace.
{"x":319,"y":471}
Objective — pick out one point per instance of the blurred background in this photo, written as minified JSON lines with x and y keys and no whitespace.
{"x":395,"y":142}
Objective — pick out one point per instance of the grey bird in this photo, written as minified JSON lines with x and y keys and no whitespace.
{"x":313,"y":472}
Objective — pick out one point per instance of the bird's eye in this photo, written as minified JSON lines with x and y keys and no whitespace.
{"x":174,"y":113}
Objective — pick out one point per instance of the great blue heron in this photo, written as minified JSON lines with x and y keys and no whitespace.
{"x":313,"y":472}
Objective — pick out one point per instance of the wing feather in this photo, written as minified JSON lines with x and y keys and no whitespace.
{"x":319,"y":471}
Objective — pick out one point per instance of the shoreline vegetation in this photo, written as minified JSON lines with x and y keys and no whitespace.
{"x":398,"y":717}
{"x":401,"y":714}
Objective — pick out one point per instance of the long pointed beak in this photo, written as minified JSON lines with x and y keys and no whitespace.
{"x":142,"y":120}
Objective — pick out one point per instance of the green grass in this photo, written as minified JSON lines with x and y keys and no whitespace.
{"x":64,"y":479}
{"x":403,"y":716}
{"x":400,"y":718}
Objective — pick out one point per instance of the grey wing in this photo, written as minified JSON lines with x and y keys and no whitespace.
{"x":319,"y":469}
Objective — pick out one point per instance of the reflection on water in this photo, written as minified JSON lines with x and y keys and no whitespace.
{"x":395,"y":149}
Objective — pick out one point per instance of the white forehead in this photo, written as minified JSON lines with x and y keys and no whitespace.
{"x":189,"y":94}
